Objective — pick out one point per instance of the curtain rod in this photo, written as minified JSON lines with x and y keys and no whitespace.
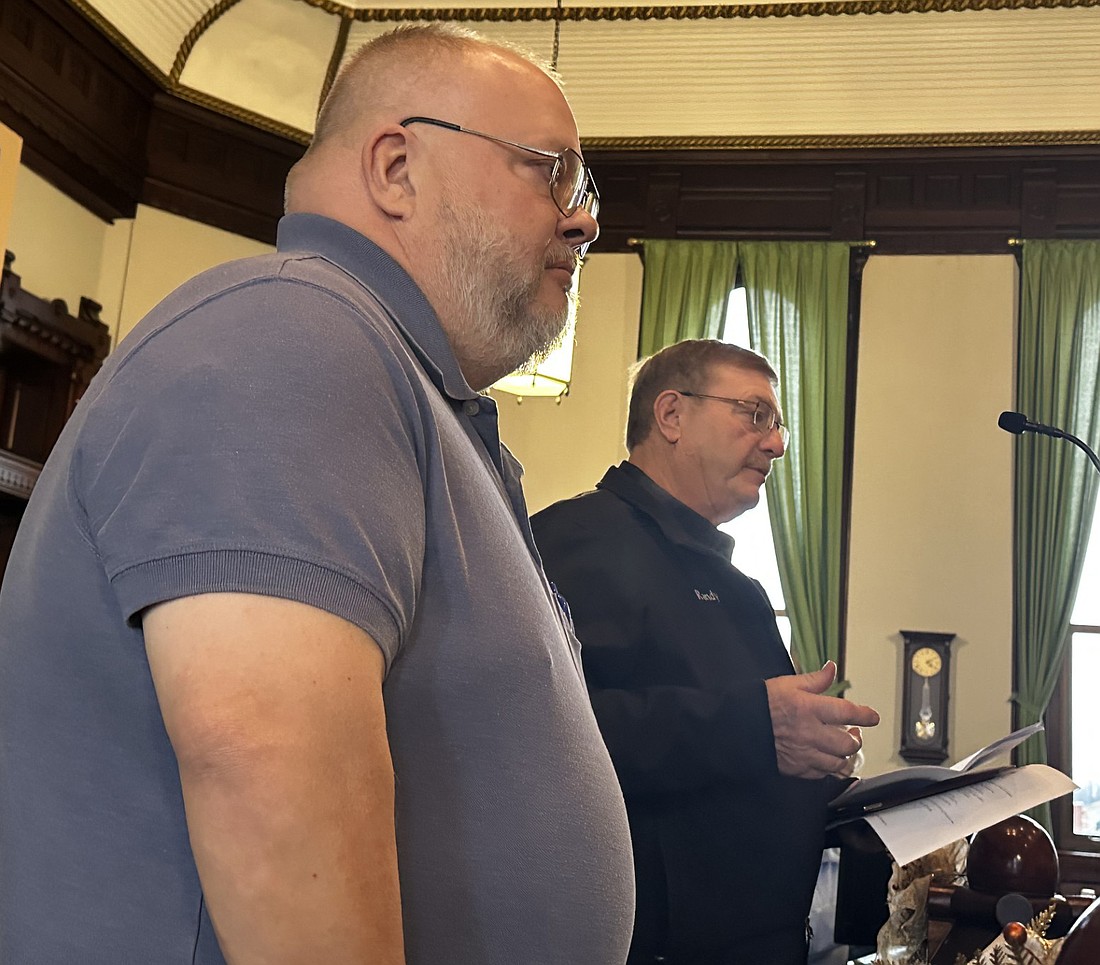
{"x":640,"y":243}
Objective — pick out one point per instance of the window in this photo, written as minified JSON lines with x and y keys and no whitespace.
{"x":754,"y":552}
{"x":1074,"y":712}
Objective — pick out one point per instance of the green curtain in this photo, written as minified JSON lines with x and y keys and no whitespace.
{"x":1057,"y":371}
{"x":685,"y":290}
{"x":797,"y":295}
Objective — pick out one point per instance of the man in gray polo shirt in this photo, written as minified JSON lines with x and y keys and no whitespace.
{"x":281,"y":677}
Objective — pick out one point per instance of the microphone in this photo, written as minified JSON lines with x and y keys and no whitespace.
{"x":1017,"y":423}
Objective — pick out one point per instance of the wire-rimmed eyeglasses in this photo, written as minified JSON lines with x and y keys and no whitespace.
{"x":764,"y":418}
{"x":571,"y":182}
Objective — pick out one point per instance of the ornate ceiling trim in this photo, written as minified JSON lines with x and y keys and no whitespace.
{"x":748,"y":142}
{"x":171,"y":85}
{"x":116,"y":37}
{"x":804,"y":142}
{"x":197,"y":30}
{"x":810,"y":8}
{"x":218,"y":106}
{"x":813,"y":8}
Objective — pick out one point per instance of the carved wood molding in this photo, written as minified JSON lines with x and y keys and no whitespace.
{"x":18,"y":475}
{"x":80,"y":106}
{"x":907,"y":201}
{"x":847,"y":142}
{"x":47,"y":327}
{"x":197,"y":157}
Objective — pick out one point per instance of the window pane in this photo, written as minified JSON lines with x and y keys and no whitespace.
{"x":784,"y":624}
{"x":1086,"y":612}
{"x":1085,"y":653}
{"x":754,"y":553}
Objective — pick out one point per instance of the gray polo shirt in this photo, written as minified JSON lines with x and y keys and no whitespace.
{"x":296,"y":425}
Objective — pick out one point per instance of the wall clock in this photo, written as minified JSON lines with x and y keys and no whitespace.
{"x":925,"y":692}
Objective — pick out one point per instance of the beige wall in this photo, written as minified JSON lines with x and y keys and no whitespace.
{"x":565,"y":448}
{"x":58,"y":244}
{"x":11,"y":146}
{"x":931,"y":538}
{"x":931,"y":514}
{"x":64,"y":251}
{"x":166,"y":251}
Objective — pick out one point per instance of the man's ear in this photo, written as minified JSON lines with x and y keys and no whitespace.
{"x":384,"y":167}
{"x":668,"y":407}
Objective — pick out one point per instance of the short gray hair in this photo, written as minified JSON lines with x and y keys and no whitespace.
{"x":682,"y":365}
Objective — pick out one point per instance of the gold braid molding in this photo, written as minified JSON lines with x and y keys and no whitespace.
{"x":338,"y":50}
{"x":747,"y":142}
{"x":816,"y":8}
{"x":664,"y":142}
{"x":116,"y":37}
{"x":241,"y":114}
{"x":197,"y":30}
{"x":806,"y":142}
{"x":713,"y":11}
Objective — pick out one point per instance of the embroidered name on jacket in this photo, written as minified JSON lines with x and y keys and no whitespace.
{"x":709,"y":596}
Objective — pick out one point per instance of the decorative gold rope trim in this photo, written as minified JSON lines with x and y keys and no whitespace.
{"x":116,"y":37}
{"x":805,"y":142}
{"x":713,"y":11}
{"x":241,"y":114}
{"x":197,"y":30}
{"x":815,"y":8}
{"x":665,"y":142}
{"x":338,"y":50}
{"x":748,"y":142}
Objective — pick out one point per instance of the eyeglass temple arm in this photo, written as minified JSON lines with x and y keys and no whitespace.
{"x":434,"y":121}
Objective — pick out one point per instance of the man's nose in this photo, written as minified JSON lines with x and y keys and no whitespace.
{"x":773,"y":444}
{"x":579,"y":230}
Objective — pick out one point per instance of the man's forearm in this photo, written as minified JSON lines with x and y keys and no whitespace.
{"x":296,"y":873}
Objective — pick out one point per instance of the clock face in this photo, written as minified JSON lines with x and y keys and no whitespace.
{"x":926,"y":662}
{"x":926,"y":670}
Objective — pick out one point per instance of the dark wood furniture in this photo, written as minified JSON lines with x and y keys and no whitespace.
{"x":47,"y":360}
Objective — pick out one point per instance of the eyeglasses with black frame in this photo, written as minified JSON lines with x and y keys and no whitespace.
{"x":571,"y":183}
{"x":764,"y":418}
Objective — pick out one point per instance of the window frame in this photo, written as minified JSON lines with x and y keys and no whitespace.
{"x":1059,"y":718}
{"x":857,"y":260}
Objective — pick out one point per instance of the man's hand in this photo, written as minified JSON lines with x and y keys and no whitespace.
{"x":815,"y":736}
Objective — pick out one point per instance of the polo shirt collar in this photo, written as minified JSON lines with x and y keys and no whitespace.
{"x":418,"y":324}
{"x":679,"y":523}
{"x":404,"y":301}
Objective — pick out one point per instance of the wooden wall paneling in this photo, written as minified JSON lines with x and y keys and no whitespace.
{"x":109,"y":133}
{"x":849,"y":205}
{"x":662,"y":203}
{"x":79,"y":103}
{"x":1078,"y":200}
{"x":757,"y":200}
{"x":1038,"y":209}
{"x":943,"y":205}
{"x":47,"y":359}
{"x":216,"y":169}
{"x":623,"y":214}
{"x":910,"y":201}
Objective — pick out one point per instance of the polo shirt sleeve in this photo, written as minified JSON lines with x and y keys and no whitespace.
{"x":265,"y":441}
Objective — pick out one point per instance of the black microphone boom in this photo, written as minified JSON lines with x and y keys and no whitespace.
{"x":1017,"y":423}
